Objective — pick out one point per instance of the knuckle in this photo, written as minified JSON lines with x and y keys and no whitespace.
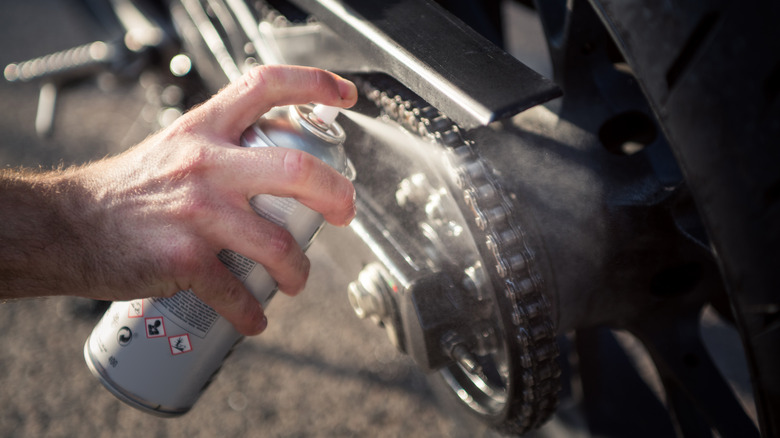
{"x":191,"y":123}
{"x":183,"y":125}
{"x":280,"y":244}
{"x":179,"y":264}
{"x":298,"y":166}
{"x":194,"y":160}
{"x":296,"y":283}
{"x":256,"y":77}
{"x":187,"y":185}
{"x":193,"y":206}
{"x":320,"y":79}
{"x":190,"y":205}
{"x":230,"y":293}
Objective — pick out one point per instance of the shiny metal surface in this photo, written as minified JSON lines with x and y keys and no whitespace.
{"x":449,"y":65}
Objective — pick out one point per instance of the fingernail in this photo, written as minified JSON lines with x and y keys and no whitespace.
{"x":261,"y":325}
{"x":347,"y":90}
{"x":351,"y":216}
{"x":353,"y":209}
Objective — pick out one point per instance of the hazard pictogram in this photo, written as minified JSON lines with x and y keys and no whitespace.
{"x":155,"y":327}
{"x":135,"y":309}
{"x":180,"y":344}
{"x":124,"y":336}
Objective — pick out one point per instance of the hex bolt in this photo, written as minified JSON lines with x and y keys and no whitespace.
{"x":366,"y":294}
{"x":370,"y":297}
{"x":364,"y":303}
{"x":467,"y":360}
{"x":456,"y":349}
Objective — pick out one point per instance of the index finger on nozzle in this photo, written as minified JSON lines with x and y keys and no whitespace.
{"x":242,"y":102}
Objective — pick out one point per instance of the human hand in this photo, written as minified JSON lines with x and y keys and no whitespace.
{"x":151,"y":221}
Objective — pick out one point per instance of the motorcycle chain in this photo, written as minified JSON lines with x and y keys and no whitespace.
{"x":535,"y":365}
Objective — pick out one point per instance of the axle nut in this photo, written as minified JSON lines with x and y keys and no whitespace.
{"x":366,"y":294}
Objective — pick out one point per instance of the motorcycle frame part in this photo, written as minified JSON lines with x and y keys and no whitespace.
{"x":717,"y":66}
{"x":585,"y":41}
{"x":414,"y":40}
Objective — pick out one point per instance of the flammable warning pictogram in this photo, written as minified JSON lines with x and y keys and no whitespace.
{"x":180,"y":344}
{"x":155,"y":327}
{"x":135,"y":309}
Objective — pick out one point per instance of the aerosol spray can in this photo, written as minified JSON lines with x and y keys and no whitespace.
{"x":159,"y":354}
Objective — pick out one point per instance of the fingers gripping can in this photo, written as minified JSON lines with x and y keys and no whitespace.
{"x":159,"y":354}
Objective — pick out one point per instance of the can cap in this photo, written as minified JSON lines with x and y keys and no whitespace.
{"x":326,"y":114}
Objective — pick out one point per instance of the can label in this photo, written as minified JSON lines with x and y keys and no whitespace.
{"x":152,"y":341}
{"x":188,"y":312}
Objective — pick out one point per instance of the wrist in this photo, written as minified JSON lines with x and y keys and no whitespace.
{"x":44,"y":240}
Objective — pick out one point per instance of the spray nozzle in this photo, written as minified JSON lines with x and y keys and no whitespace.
{"x":325,"y":114}
{"x":320,"y":121}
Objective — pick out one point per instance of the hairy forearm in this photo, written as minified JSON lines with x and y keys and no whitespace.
{"x":43,"y":241}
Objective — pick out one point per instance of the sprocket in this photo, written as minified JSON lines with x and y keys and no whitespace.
{"x":526,"y":394}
